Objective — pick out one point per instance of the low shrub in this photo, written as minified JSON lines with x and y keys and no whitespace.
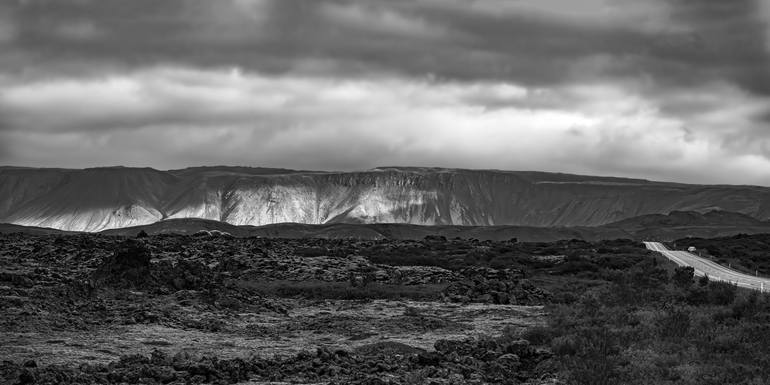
{"x":721,"y":293}
{"x":683,"y":276}
{"x":537,"y":335}
{"x":592,"y":357}
{"x":674,"y":324}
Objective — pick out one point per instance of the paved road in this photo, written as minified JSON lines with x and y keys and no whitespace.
{"x":714,"y":270}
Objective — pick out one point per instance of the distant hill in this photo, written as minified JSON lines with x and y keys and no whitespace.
{"x":97,"y":199}
{"x":681,"y":224}
{"x":662,"y":227}
{"x":688,"y":219}
{"x":370,"y":231}
{"x":6,"y":228}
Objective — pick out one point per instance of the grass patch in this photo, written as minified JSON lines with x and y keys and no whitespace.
{"x":315,"y":289}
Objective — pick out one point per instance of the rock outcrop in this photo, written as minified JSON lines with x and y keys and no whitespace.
{"x":129,"y":266}
{"x":503,"y":287}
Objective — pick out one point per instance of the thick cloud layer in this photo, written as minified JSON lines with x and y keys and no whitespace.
{"x":664,"y":89}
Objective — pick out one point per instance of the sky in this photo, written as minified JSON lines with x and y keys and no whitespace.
{"x":675,"y":90}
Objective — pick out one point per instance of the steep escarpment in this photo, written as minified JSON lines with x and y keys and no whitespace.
{"x":85,"y":200}
{"x":104,"y":198}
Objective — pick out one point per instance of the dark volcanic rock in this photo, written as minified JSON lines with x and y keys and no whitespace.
{"x":216,"y":286}
{"x":505,"y":287}
{"x":501,"y":360}
{"x":129,"y":266}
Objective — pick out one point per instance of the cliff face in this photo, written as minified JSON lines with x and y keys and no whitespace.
{"x":104,"y":198}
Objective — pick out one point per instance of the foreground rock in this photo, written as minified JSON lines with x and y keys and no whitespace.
{"x":91,"y":309}
{"x":494,"y":286}
{"x":502,"y":360}
{"x":129,"y":266}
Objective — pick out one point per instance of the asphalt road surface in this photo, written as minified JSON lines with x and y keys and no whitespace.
{"x":714,"y":270}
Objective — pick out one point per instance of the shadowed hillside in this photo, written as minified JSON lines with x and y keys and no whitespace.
{"x":661,"y":227}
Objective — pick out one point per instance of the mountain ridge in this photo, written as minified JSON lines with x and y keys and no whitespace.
{"x":97,"y":199}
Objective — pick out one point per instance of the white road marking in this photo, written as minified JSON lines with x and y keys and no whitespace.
{"x":714,"y":270}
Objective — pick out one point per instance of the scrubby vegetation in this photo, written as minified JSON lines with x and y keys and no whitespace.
{"x":645,"y":326}
{"x":747,"y":253}
{"x":622,"y":315}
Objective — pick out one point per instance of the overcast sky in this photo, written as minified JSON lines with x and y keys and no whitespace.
{"x":659,"y":89}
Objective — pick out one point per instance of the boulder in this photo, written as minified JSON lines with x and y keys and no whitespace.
{"x":129,"y":266}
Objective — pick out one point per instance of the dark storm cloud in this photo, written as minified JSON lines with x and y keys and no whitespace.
{"x":661,"y":87}
{"x":700,"y":40}
{"x":716,"y":39}
{"x":726,"y":40}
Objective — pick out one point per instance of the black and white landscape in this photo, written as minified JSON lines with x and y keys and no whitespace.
{"x":393,"y":202}
{"x":385,"y":192}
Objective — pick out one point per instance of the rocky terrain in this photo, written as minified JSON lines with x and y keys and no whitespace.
{"x":109,"y":198}
{"x":211,"y":308}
